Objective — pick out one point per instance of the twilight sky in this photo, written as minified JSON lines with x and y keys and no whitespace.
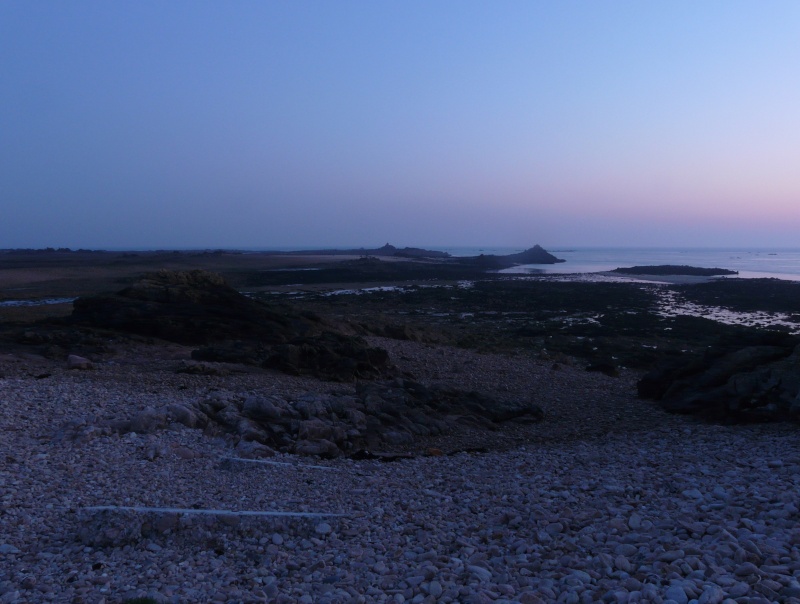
{"x":294,"y":123}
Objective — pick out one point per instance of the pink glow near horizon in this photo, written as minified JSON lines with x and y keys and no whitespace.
{"x":456,"y":123}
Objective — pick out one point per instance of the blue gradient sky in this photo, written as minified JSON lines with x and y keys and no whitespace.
{"x":261,"y":124}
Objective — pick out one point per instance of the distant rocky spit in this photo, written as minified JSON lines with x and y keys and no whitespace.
{"x":535,"y":255}
{"x":671,"y":269}
{"x":500,"y":440}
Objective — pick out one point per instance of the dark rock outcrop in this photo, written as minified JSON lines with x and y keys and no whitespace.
{"x":329,"y":355}
{"x":378,"y":416}
{"x":535,"y":255}
{"x":192,"y":307}
{"x":199,"y":308}
{"x":755,"y":380}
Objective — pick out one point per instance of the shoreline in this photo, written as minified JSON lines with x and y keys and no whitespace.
{"x":587,"y":508}
{"x":607,"y":496}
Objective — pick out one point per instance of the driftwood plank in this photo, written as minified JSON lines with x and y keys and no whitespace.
{"x":279,"y":463}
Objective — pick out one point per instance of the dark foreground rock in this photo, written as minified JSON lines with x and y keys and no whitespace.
{"x":378,"y":416}
{"x":200,"y":308}
{"x":755,"y":380}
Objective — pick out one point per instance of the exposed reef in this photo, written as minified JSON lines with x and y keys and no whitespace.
{"x":771,"y":295}
{"x":672,"y":269}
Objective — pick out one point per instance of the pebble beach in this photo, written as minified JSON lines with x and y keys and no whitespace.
{"x":607,"y":499}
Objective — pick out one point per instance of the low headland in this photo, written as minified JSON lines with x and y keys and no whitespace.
{"x":323,"y":427}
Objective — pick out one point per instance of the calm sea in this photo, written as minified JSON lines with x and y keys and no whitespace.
{"x":782,"y":263}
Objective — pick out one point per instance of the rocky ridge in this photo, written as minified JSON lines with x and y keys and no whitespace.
{"x":200,"y":308}
{"x":740,"y":379}
{"x":377,"y":417}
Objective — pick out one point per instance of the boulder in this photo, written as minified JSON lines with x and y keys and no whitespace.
{"x":253,"y":450}
{"x":317,"y":429}
{"x":320,"y":448}
{"x":261,"y":408}
{"x":149,"y":420}
{"x":756,"y":380}
{"x":188,"y":417}
{"x":76,"y":362}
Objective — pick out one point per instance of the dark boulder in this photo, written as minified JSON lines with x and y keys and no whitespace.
{"x":755,"y":380}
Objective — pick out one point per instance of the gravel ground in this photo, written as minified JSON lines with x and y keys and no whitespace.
{"x":607,"y":499}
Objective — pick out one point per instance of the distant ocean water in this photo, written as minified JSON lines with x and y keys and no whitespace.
{"x":781,"y":263}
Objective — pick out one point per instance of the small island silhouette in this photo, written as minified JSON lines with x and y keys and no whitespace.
{"x":672,"y":269}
